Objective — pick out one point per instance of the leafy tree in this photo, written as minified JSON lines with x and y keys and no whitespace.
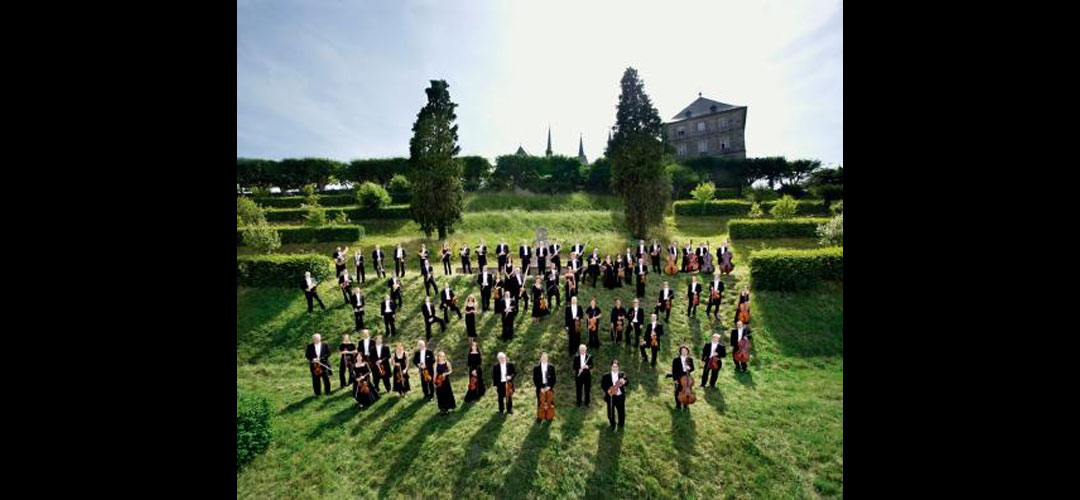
{"x":785,"y":208}
{"x":308,"y":190}
{"x":832,"y":232}
{"x":248,"y":213}
{"x":704,"y":192}
{"x":683,"y":179}
{"x":372,"y":196}
{"x":637,"y":157}
{"x":377,"y":170}
{"x":434,"y":171}
{"x":400,"y":190}
{"x":477,"y":171}
{"x":598,"y":176}
{"x":837,"y":208}
{"x":314,"y":215}
{"x":263,"y":238}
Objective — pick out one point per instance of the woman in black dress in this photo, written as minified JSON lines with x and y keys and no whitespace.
{"x":347,"y":350}
{"x":744,"y":296}
{"x":475,"y":370}
{"x":609,"y":273}
{"x":365,"y":392}
{"x":470,"y":318}
{"x":594,"y":333}
{"x":401,"y":370}
{"x":443,"y":391}
{"x":537,"y":296}
{"x":618,"y":312}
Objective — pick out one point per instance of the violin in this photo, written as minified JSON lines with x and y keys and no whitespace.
{"x":667,"y":305}
{"x":472,"y":382}
{"x":439,"y":380}
{"x":653,"y":342}
{"x":714,"y":363}
{"x":364,"y":389}
{"x":509,"y":388}
{"x":696,"y":298}
{"x":382,"y":371}
{"x":543,"y":303}
{"x":744,"y":313}
{"x":619,"y":325}
{"x":615,"y":388}
{"x":425,"y":375}
{"x":686,"y":393}
{"x":318,"y":369}
{"x":592,"y":323}
{"x":546,"y":410}
{"x":399,"y":377}
{"x":714,"y":294}
{"x":498,"y":292}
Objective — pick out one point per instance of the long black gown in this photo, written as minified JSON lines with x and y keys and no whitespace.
{"x":445,"y":393}
{"x":609,"y":276}
{"x":363,"y":373}
{"x":470,"y":320}
{"x":401,"y":365}
{"x":343,"y":369}
{"x":537,"y":293}
{"x":594,"y":335}
{"x":475,"y":365}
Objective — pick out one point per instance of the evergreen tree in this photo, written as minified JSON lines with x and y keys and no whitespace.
{"x":434,"y":171}
{"x":636,"y":151}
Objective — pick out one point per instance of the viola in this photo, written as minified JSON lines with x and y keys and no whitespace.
{"x":654,"y":343}
{"x":382,"y":371}
{"x":686,"y":393}
{"x":498,"y":293}
{"x":714,"y":295}
{"x":425,"y":375}
{"x":318,"y":369}
{"x":714,"y":363}
{"x":543,"y":303}
{"x":696,"y":298}
{"x":546,"y":409}
{"x":615,"y":388}
{"x":399,"y":377}
{"x":509,"y":388}
{"x":577,"y":325}
{"x":364,"y":389}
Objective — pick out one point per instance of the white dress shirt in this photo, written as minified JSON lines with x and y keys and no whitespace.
{"x":614,"y":380}
{"x":318,"y":350}
{"x":685,"y":368}
{"x":543,"y":373}
{"x":714,"y":347}
{"x":502,"y":368}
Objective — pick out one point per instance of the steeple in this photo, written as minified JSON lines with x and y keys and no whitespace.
{"x":581,"y":151}
{"x":548,"y":152}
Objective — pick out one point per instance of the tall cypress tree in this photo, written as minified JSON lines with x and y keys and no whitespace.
{"x":636,"y":151}
{"x":434,"y":171}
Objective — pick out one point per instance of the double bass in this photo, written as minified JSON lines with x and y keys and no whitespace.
{"x":686,"y":394}
{"x":546,"y":410}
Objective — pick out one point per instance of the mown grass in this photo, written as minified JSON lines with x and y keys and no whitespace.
{"x":775,"y":432}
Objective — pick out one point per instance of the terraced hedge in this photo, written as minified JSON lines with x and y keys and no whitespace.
{"x":326,"y":200}
{"x":789,"y":269}
{"x":354,"y":213}
{"x":281,"y":270}
{"x":742,"y":207}
{"x":302,"y":234}
{"x":772,"y":228}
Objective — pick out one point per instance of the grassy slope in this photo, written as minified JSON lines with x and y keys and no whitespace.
{"x":777,"y":431}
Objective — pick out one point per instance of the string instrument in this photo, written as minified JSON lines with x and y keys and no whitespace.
{"x":653,"y":342}
{"x":714,"y":363}
{"x":509,"y":388}
{"x":643,"y":276}
{"x":453,"y":301}
{"x":620,"y":273}
{"x":743,"y":354}
{"x":619,"y":325}
{"x":686,"y":394}
{"x":317,"y":370}
{"x":697,"y":298}
{"x":616,"y":386}
{"x":577,"y":325}
{"x":439,"y":380}
{"x":670,"y":269}
{"x":667,"y":305}
{"x":692,"y":264}
{"x":546,"y":410}
{"x":543,"y":303}
{"x":382,"y":371}
{"x":714,"y":294}
{"x":399,"y":377}
{"x":364,"y":389}
{"x":425,"y":375}
{"x":592,"y":323}
{"x":498,"y":292}
{"x":744,"y":313}
{"x":472,"y":382}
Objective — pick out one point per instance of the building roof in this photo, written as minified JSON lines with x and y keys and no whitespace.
{"x":521,"y":151}
{"x":701,"y":107}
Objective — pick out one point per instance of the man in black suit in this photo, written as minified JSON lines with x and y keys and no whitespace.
{"x":543,"y":378}
{"x":654,"y":254}
{"x":551,"y":286}
{"x":683,"y":364}
{"x":525,"y":253}
{"x":395,"y":285}
{"x":710,"y":349}
{"x":516,"y":285}
{"x":716,"y":288}
{"x":486,"y":281}
{"x":399,"y":261}
{"x":501,"y":251}
{"x":553,"y":250}
{"x":318,"y":352}
{"x":667,"y":295}
{"x":428,"y":274}
{"x":738,"y":333}
{"x":501,"y":373}
{"x":428,"y":309}
{"x":574,"y":314}
{"x":387,"y":309}
{"x":358,"y":307}
{"x":636,"y":318}
{"x":642,"y":270}
{"x":640,"y":250}
{"x":365,"y":344}
{"x":693,"y":291}
{"x":358,"y":260}
{"x":616,"y":403}
{"x":344,"y":281}
{"x":541,"y":257}
{"x":377,"y":257}
{"x":652,"y":328}
{"x":380,"y":356}
{"x":309,"y":286}
{"x":424,"y":361}
{"x":509,"y":313}
{"x":339,"y":260}
{"x":582,"y":365}
{"x":446,"y":301}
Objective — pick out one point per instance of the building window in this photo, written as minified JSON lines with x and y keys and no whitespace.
{"x":681,"y":132}
{"x":682,"y":149}
{"x":701,"y":126}
{"x":723,"y":144}
{"x":702,"y":146}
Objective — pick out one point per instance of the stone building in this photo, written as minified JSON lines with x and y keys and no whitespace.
{"x":708,"y":128}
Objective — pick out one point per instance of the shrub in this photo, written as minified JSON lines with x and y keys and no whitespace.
{"x":353,"y":213}
{"x":828,"y":192}
{"x":784,"y":208}
{"x":714,"y":207}
{"x":802,"y":207}
{"x":832,"y":231}
{"x":793,"y":190}
{"x":683,"y":179}
{"x":787,"y":269}
{"x":837,"y":208}
{"x":248,"y":213}
{"x":400,"y":189}
{"x":252,"y":426}
{"x":538,"y":203}
{"x":262,"y":237}
{"x":727,"y":193}
{"x":302,"y":234}
{"x":314,"y":216}
{"x":260,"y":192}
{"x":372,"y":196}
{"x":338,"y":217}
{"x":755,"y":211}
{"x":281,"y":270}
{"x":704,"y":192}
{"x":325,"y":200}
{"x":767,"y":228}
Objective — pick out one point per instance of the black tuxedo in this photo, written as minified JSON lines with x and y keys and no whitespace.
{"x":447,"y":304}
{"x":670,"y":295}
{"x":655,"y":259}
{"x":485,"y":291}
{"x":692,"y":289}
{"x":647,"y":341}
{"x":388,"y":317}
{"x":358,"y":310}
{"x":568,"y":321}
{"x":428,"y":309}
{"x":508,"y":316}
{"x":524,"y":252}
{"x":501,"y":251}
{"x":496,"y":378}
{"x":616,"y":403}
{"x":429,"y":277}
{"x":582,"y":382}
{"x":481,"y":255}
{"x":313,"y":294}
{"x":381,"y":359}
{"x":343,"y":284}
{"x":466,"y":263}
{"x":539,"y":384}
{"x":358,"y":260}
{"x":395,"y":295}
{"x":377,"y":258}
{"x":635,"y":320}
{"x":641,"y":271}
{"x":429,"y":367}
{"x":706,"y":355}
{"x":324,"y":358}
{"x":399,"y":262}
{"x":735,"y":345}
{"x":714,"y":304}
{"x":677,"y":372}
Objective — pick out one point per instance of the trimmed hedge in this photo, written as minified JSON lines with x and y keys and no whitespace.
{"x":302,"y":234}
{"x":727,"y":193}
{"x":788,"y":269}
{"x":281,"y":270}
{"x":735,"y":207}
{"x":771,"y":228}
{"x":252,"y":426}
{"x":326,"y":200}
{"x":354,"y":212}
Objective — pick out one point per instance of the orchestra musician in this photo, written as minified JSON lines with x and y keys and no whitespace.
{"x":428,"y":275}
{"x":486,"y":281}
{"x":501,"y":251}
{"x":518,"y":283}
{"x":344,"y":280}
{"x":387,"y":309}
{"x":594,"y":266}
{"x":428,"y":311}
{"x":693,"y":296}
{"x":481,"y":256}
{"x":476,"y":369}
{"x":739,"y":333}
{"x":395,"y":286}
{"x":358,"y":260}
{"x":368,"y":397}
{"x":683,"y":364}
{"x":621,"y":270}
{"x":310,"y":288}
{"x":401,"y":370}
{"x":673,"y":251}
{"x":347,"y":349}
{"x":636,"y":317}
{"x":716,"y":288}
{"x":380,"y":358}
{"x":466,"y":263}
{"x":654,"y":253}
{"x":724,"y":253}
{"x":553,"y":250}
{"x":543,"y":378}
{"x":592,"y":315}
{"x":616,"y":402}
{"x":573,"y":317}
{"x":707,"y":259}
{"x":640,"y":250}
{"x":509,"y":269}
{"x":744,"y":296}
{"x":470,"y":318}
{"x":618,"y":312}
{"x":664,"y":301}
{"x":551,"y":283}
{"x":582,"y":365}
{"x":709,"y":352}
{"x":377,"y":257}
{"x":448,"y":302}
{"x":571,"y":283}
{"x":424,"y":361}
{"x":509,"y":313}
{"x":422,"y":255}
{"x":642,"y":270}
{"x":610,"y":276}
{"x":444,"y":390}
{"x":366,"y":344}
{"x":574,"y":266}
{"x":538,"y":298}
{"x":446,"y":254}
{"x":525,"y":254}
{"x":628,"y":267}
{"x":501,"y":373}
{"x":358,"y":307}
{"x":687,"y":250}
{"x":541,"y":257}
{"x":653,"y":332}
{"x":339,"y":260}
{"x":318,"y":352}
{"x":399,"y":261}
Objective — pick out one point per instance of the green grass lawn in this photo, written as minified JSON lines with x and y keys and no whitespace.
{"x":775,"y":432}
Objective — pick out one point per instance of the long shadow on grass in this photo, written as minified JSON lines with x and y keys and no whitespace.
{"x":715,"y":398}
{"x":480,"y":443}
{"x":746,"y":379}
{"x":683,"y":438}
{"x":297,"y":406}
{"x":408,"y":452}
{"x":398,"y":419}
{"x":605,"y":476}
{"x":528,"y":458}
{"x":335,"y":420}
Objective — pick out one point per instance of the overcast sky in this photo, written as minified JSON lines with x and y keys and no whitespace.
{"x":345,"y":79}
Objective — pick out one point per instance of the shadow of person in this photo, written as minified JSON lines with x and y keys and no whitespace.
{"x":683,"y":438}
{"x":715,"y":398}
{"x":476,"y":449}
{"x":528,"y":458}
{"x":605,"y":476}
{"x":746,"y":379}
{"x":335,"y":420}
{"x":298,"y":405}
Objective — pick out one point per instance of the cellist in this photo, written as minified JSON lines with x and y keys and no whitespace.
{"x":543,"y":378}
{"x":708,"y":352}
{"x":683,"y":364}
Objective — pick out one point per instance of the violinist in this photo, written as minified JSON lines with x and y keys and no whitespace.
{"x":380,"y":358}
{"x":551,"y":284}
{"x":538,"y":298}
{"x":347,"y":349}
{"x":582,"y":365}
{"x":344,"y":281}
{"x":592,"y":314}
{"x":594,"y":266}
{"x":693,"y":296}
{"x":654,"y":253}
{"x":712,"y":353}
{"x":365,"y":392}
{"x":716,"y":288}
{"x":618,"y":313}
{"x":641,"y":271}
{"x":399,"y":261}
{"x":447,"y":301}
{"x":424,"y":361}
{"x":427,"y":273}
{"x":388,"y":310}
{"x":481,"y":255}
{"x":428,"y":311}
{"x":476,"y":371}
{"x":401,"y":370}
{"x":366,"y":343}
{"x":444,"y":390}
{"x":501,"y":251}
{"x":395,"y":286}
{"x":357,"y":301}
{"x":664,"y":301}
{"x":683,"y":364}
{"x":653,"y":332}
{"x":553,"y":250}
{"x":466,"y":264}
{"x":573,"y":318}
{"x":310,"y":287}
{"x":448,"y":268}
{"x":486,"y":281}
{"x":358,"y":259}
{"x":377,"y":257}
{"x":635,"y":319}
{"x":318,"y":354}
{"x":571,"y":282}
{"x":543,"y":378}
{"x":501,"y":373}
{"x":614,"y":386}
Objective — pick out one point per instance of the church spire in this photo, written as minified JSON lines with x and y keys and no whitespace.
{"x":581,"y":150}
{"x":548,"y":152}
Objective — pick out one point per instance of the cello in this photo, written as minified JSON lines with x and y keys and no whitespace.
{"x":743,"y":354}
{"x":744,"y":313}
{"x":670,"y":269}
{"x":686,"y":393}
{"x":546,"y":409}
